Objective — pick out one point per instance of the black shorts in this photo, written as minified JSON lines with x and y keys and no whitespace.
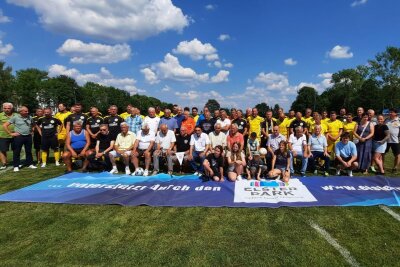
{"x":37,"y":141}
{"x":93,"y":143}
{"x":395,"y":148}
{"x":49,"y":142}
{"x":5,"y":144}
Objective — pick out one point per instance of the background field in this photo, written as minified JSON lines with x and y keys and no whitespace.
{"x":55,"y":234}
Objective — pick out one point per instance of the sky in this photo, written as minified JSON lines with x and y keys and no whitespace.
{"x":240,"y":53}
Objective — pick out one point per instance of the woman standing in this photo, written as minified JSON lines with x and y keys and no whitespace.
{"x":236,"y":162}
{"x":381,"y":135}
{"x":363,"y":132}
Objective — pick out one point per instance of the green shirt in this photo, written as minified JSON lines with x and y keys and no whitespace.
{"x":4,"y":118}
{"x":22,"y":125}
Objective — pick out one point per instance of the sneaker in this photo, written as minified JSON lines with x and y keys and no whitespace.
{"x":154,"y":173}
{"x":326,"y":174}
{"x":58,"y":163}
{"x":43,"y":165}
{"x":350,"y":173}
{"x":315,"y":172}
{"x":134,"y":173}
{"x":239,"y":178}
{"x":114,"y":170}
{"x":303,"y":174}
{"x":146,"y":173}
{"x":32,"y":167}
{"x":127,"y":171}
{"x":3,"y":167}
{"x":16,"y":169}
{"x":372,"y":168}
{"x":196,"y":173}
{"x":200,"y":174}
{"x":338,"y":172}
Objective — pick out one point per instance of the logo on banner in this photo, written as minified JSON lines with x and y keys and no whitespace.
{"x":271,"y":192}
{"x":180,"y":156}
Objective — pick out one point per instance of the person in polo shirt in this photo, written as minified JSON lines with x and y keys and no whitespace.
{"x":224,"y":121}
{"x":317,"y":146}
{"x":188,"y":122}
{"x":195,"y":114}
{"x":123,"y":148}
{"x":308,"y":116}
{"x":93,"y":126}
{"x":240,"y":122}
{"x":134,"y":121}
{"x":47,"y":128}
{"x":202,"y":116}
{"x":393,"y":123}
{"x":199,"y":146}
{"x":179,"y":117}
{"x":159,"y":112}
{"x":349,"y":125}
{"x":37,"y":138}
{"x":283,"y":123}
{"x":77,"y":115}
{"x":114,"y":121}
{"x":343,"y":115}
{"x":182,"y":145}
{"x":104,"y":145}
{"x":143,"y":147}
{"x":6,"y":140}
{"x":234,"y":137}
{"x":317,"y":121}
{"x":169,"y":121}
{"x":23,"y":126}
{"x":346,"y":155}
{"x":165,"y":142}
{"x":217,"y":138}
{"x":254,"y":121}
{"x":335,"y":130}
{"x":298,"y":121}
{"x":127,"y":113}
{"x":207,"y":124}
{"x":298,"y":148}
{"x":152,"y":120}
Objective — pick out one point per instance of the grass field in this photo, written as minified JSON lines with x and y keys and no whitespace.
{"x":78,"y":235}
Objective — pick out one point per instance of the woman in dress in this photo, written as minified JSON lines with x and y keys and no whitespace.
{"x":363,"y":132}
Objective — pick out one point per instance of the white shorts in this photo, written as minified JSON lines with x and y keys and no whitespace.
{"x":117,"y":155}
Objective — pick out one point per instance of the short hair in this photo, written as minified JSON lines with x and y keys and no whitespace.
{"x":393,"y":110}
{"x":253,"y":135}
{"x":350,"y":114}
{"x":113,"y":106}
{"x":8,"y":104}
{"x":345,"y":135}
{"x":186,"y":109}
{"x":195,"y":108}
{"x":104,"y":125}
{"x":78,"y":122}
{"x":217,"y":124}
{"x":145,"y":126}
{"x":124,"y":124}
{"x":333,"y":112}
{"x":298,"y":128}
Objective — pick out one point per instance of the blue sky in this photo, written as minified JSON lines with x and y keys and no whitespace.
{"x":238,"y":52}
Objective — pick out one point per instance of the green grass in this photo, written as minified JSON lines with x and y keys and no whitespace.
{"x":79,"y":235}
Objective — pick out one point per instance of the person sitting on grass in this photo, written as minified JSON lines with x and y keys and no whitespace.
{"x":123,"y":148}
{"x":236,"y":162}
{"x":214,"y":165}
{"x":281,"y":163}
{"x":346,"y":155}
{"x":255,"y":167}
{"x":77,"y":146}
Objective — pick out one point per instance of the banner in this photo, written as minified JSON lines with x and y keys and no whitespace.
{"x":190,"y":190}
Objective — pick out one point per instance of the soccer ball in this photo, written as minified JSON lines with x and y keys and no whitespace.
{"x":139,"y":172}
{"x":263,"y":151}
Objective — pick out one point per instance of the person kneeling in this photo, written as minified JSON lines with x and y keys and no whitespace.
{"x":346,"y":155}
{"x":281,"y":163}
{"x":77,"y":144}
{"x":214,"y":165}
{"x":255,"y":167}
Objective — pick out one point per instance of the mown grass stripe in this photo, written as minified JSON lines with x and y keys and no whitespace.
{"x":343,"y":251}
{"x":391,"y":212}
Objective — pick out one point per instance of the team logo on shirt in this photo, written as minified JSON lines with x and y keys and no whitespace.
{"x":301,"y":124}
{"x":98,"y":121}
{"x":82,"y":117}
{"x":186,"y":141}
{"x":51,"y":121}
{"x":115,"y":119}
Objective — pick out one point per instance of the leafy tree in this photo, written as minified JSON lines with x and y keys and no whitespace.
{"x":262,"y":108}
{"x":275,"y":110}
{"x":307,"y":97}
{"x":61,"y":89}
{"x":212,"y":105}
{"x":6,"y":82}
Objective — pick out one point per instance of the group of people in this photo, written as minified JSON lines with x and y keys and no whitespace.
{"x":241,"y":145}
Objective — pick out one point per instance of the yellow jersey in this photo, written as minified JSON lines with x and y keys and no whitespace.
{"x":124,"y":115}
{"x":283,"y":125}
{"x":160,"y":114}
{"x":324,"y":128}
{"x":349,"y":127}
{"x":255,"y":125}
{"x":334,"y":127}
{"x":62,"y":131}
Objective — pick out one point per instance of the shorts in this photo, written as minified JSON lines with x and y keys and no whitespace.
{"x":337,"y":162}
{"x":395,"y":148}
{"x":117,"y":155}
{"x":141,"y":152}
{"x":49,"y":142}
{"x":379,"y":148}
{"x":231,"y":168}
{"x":93,"y":143}
{"x":5,"y":144}
{"x":37,"y":141}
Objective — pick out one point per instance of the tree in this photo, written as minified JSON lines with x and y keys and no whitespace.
{"x":276,"y":110}
{"x":61,"y":89}
{"x":6,"y":82}
{"x":262,"y":108}
{"x":212,"y":105}
{"x":307,"y":97}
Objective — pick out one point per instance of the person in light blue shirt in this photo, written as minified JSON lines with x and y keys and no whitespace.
{"x":134,"y":121}
{"x":317,"y":146}
{"x":346,"y":155}
{"x":170,"y":121}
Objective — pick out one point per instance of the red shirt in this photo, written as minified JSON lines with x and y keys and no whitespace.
{"x":238,"y":137}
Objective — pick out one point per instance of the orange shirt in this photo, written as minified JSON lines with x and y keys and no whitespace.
{"x":189,"y":124}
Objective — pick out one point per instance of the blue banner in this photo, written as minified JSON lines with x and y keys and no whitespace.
{"x":190,"y":191}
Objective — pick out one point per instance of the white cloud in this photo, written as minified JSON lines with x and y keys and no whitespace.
{"x":224,"y":37}
{"x":340,"y":52}
{"x":326,"y":75}
{"x":104,"y":77}
{"x":5,"y":49}
{"x":228,"y":65}
{"x":217,"y":64}
{"x":290,"y":61}
{"x":113,"y":20}
{"x":358,"y":3}
{"x":166,"y":89}
{"x":3,"y":18}
{"x":196,"y":50}
{"x":272,"y":80}
{"x":171,"y":69}
{"x":210,"y":7}
{"x":84,"y":53}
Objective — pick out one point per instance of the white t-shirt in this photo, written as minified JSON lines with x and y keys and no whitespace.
{"x":145,"y":140}
{"x":216,"y":140}
{"x":226,"y":122}
{"x":199,"y":142}
{"x":298,"y":143}
{"x":152,"y":123}
{"x":165,"y":140}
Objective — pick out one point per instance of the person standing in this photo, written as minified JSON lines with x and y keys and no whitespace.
{"x":77,"y":115}
{"x":93,"y":126}
{"x":364,"y":133}
{"x":6,"y":140}
{"x":169,"y":121}
{"x":114,"y":121}
{"x":134,"y":121}
{"x":381,"y":135}
{"x":23,"y":127}
{"x":152,"y":120}
{"x":37,"y":138}
{"x":393,"y":123}
{"x":62,"y":114}
{"x":349,"y":125}
{"x":254,"y":123}
{"x":334,"y":131}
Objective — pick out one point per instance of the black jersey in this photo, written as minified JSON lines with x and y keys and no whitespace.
{"x":94,"y":123}
{"x":114,"y":125}
{"x":76,"y":117}
{"x":49,"y":126}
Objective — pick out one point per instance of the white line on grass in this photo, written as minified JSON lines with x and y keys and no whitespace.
{"x":391,"y":212}
{"x":345,"y":253}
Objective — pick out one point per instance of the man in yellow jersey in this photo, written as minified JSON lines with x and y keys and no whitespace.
{"x":283,"y":123}
{"x":349,"y":125}
{"x":335,"y":130}
{"x":254,"y":123}
{"x":308,"y":116}
{"x":195,"y":114}
{"x":127,"y":113}
{"x":61,"y":115}
{"x":159,"y":112}
{"x":325,"y":119}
